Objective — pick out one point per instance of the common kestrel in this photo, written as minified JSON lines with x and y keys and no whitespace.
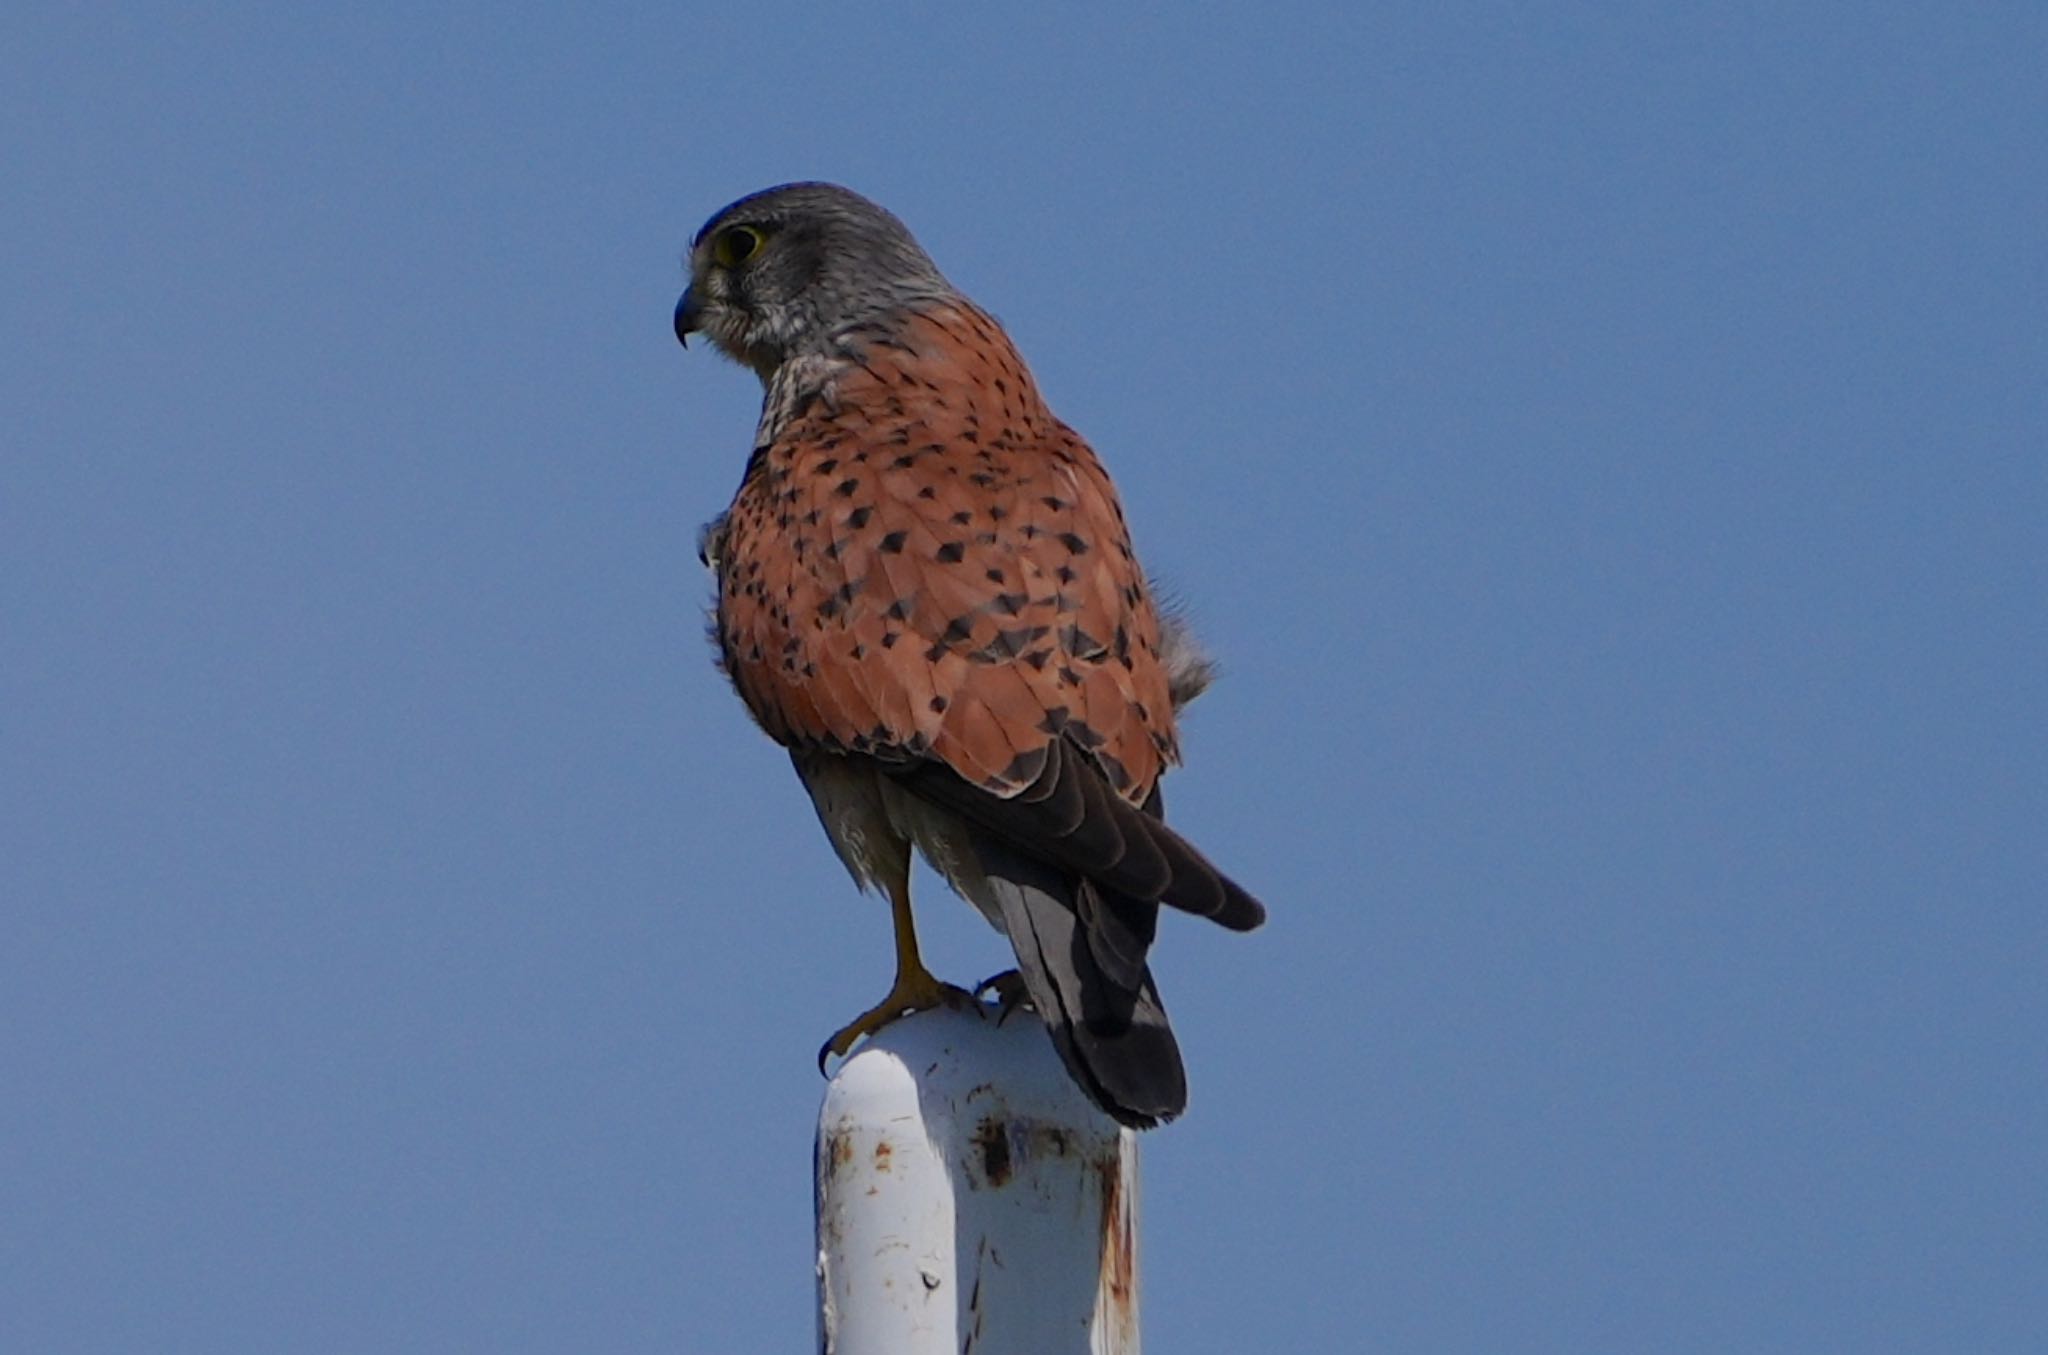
{"x":927,"y":594}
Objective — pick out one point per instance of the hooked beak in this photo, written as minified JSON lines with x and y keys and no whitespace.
{"x":686,"y":318}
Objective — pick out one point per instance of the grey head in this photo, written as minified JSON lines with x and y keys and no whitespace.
{"x":785,"y":272}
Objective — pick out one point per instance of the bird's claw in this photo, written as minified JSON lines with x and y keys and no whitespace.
{"x":913,"y":993}
{"x":1010,"y":993}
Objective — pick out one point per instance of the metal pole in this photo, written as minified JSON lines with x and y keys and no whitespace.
{"x":970,"y":1200}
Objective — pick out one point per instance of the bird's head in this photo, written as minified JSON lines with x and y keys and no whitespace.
{"x":784,"y":272}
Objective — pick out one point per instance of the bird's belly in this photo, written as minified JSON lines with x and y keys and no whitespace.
{"x":873,"y":822}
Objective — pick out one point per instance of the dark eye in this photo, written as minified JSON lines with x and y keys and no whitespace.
{"x":736,"y":244}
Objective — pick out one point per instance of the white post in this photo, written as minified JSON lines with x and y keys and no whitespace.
{"x":971,"y":1199}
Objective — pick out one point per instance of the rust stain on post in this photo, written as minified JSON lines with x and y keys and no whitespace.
{"x":1119,"y":1249}
{"x":992,"y":1147}
{"x":1004,"y":1146}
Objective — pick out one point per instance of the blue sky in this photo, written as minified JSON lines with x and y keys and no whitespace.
{"x":1604,"y":447}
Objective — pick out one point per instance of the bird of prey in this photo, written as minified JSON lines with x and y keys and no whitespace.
{"x":927,"y":594}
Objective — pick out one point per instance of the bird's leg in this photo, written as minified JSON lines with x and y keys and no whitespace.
{"x":915,"y":989}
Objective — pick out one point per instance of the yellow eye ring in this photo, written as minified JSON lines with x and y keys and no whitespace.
{"x":737,"y":244}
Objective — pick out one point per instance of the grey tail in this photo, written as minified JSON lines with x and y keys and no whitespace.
{"x":1081,"y":952}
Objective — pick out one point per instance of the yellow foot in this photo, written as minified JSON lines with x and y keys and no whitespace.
{"x":1010,"y":993}
{"x":916,"y":991}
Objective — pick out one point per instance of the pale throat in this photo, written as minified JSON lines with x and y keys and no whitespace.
{"x":790,"y":388}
